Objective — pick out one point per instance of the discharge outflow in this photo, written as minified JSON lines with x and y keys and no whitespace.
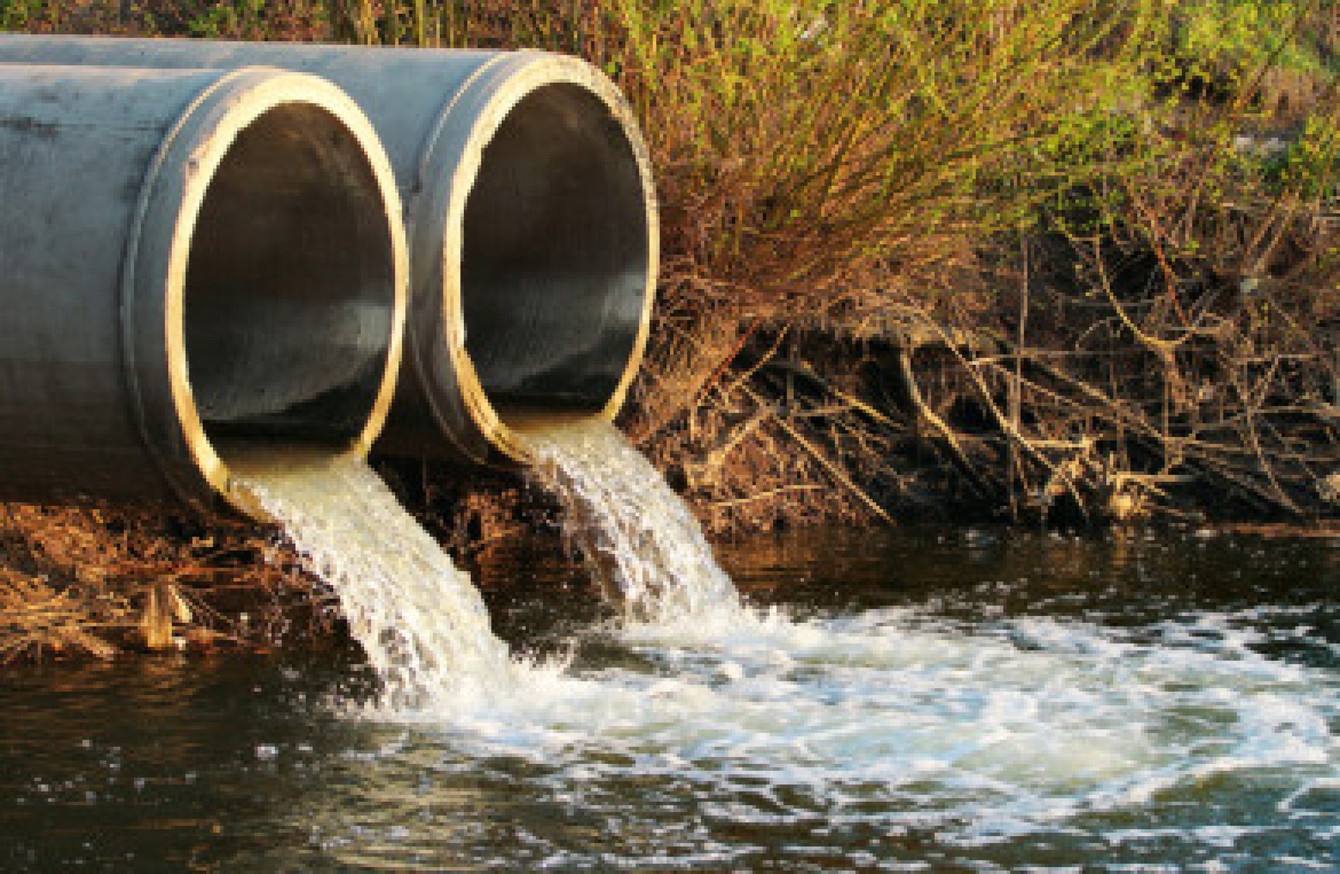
{"x":849,"y":729}
{"x":420,"y":620}
{"x":843,"y":728}
{"x":640,"y":538}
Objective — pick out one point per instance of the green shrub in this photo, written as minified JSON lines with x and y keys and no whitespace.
{"x":800,"y":144}
{"x":1233,"y":37}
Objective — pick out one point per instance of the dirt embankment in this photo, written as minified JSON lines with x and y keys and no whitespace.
{"x":1076,"y":276}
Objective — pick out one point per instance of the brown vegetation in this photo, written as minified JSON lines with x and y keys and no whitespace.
{"x":96,"y":582}
{"x":1060,"y":261}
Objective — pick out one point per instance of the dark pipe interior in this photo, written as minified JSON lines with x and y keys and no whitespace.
{"x":290,"y":284}
{"x":555,"y":263}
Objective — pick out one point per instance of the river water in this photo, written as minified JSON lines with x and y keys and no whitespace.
{"x":924,"y":699}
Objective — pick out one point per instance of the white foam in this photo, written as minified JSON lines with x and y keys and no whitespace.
{"x":975,"y":734}
{"x":898,"y":719}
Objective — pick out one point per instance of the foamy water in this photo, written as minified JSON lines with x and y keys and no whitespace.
{"x":420,"y":620}
{"x":894,"y":722}
{"x":640,"y":534}
{"x":843,"y":733}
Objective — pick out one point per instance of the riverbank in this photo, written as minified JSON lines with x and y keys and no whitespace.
{"x":1070,"y":263}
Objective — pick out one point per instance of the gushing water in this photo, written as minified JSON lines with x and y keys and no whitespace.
{"x":710,"y":731}
{"x":422,"y":623}
{"x":638,"y":532}
{"x":894,"y":735}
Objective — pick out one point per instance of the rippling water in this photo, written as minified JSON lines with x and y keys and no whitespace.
{"x":918,"y":700}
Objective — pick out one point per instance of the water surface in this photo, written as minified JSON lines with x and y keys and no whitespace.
{"x":915,"y":700}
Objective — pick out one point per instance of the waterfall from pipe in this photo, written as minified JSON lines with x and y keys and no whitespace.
{"x":421,"y":621}
{"x":834,"y":737}
{"x":643,"y":544}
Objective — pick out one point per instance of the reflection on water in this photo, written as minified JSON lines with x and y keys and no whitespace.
{"x":928,"y":700}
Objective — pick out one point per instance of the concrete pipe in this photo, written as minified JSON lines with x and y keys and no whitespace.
{"x":188,"y":260}
{"x":531,"y":217}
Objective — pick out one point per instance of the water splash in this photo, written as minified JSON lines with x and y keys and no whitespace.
{"x":897,"y":726}
{"x":646,"y":546}
{"x":422,"y":623}
{"x":888,"y":734}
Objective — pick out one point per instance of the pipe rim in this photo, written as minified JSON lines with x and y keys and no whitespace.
{"x":155,"y":279}
{"x":500,"y":86}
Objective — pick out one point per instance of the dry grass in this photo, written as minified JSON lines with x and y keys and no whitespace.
{"x":78,"y":581}
{"x":950,"y":257}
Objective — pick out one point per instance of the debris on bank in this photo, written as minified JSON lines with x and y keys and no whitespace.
{"x":87,"y":582}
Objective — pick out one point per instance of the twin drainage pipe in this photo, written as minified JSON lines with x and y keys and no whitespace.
{"x":201,"y":244}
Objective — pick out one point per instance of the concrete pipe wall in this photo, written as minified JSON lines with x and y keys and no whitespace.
{"x":188,"y":260}
{"x":531,"y":218}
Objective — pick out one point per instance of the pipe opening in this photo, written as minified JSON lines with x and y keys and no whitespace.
{"x":555,"y":256}
{"x":290,"y":287}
